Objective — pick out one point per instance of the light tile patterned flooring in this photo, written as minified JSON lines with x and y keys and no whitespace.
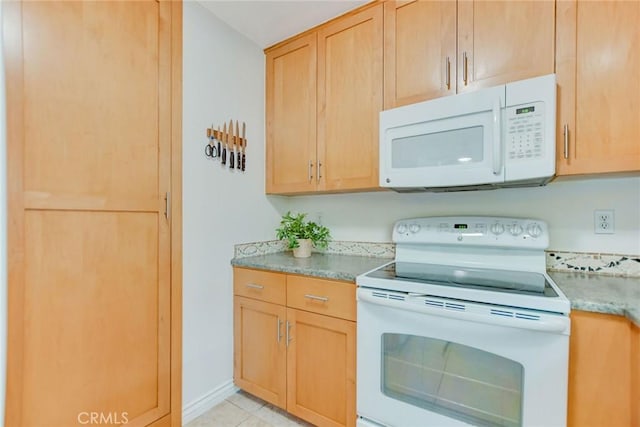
{"x":245,"y":410}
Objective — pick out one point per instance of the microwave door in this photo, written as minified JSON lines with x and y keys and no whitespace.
{"x":460,"y":143}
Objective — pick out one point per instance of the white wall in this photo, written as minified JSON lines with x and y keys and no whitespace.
{"x":567,"y":206}
{"x":223,"y":80}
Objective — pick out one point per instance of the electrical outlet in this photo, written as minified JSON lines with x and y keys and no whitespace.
{"x":603,"y":221}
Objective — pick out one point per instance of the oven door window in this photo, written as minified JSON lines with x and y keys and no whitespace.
{"x":453,"y":380}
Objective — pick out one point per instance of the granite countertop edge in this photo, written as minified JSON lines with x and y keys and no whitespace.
{"x":587,"y":292}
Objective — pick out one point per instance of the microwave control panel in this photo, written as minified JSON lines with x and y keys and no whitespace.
{"x":525,"y":131}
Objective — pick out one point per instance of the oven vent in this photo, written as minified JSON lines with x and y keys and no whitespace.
{"x":379,"y":294}
{"x":385,"y":295}
{"x":506,"y":313}
{"x":527,"y":316}
{"x":454,"y":306}
{"x":445,"y":305}
{"x":434,"y":303}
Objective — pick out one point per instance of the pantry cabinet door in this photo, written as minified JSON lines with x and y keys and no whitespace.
{"x":598,"y":87}
{"x":321,"y":369}
{"x":419,"y":51}
{"x":90,"y":137}
{"x":291,"y":117}
{"x":504,"y":41}
{"x":349,"y":101}
{"x":259,"y":361}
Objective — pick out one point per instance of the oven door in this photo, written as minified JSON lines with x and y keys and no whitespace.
{"x":421,"y":363}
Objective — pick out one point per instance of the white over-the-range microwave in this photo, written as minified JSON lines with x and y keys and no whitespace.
{"x":502,"y":136}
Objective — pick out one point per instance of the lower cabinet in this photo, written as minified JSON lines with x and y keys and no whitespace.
{"x":297,"y":350}
{"x":603,"y":371}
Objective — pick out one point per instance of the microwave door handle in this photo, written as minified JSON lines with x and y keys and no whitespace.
{"x":497,"y":143}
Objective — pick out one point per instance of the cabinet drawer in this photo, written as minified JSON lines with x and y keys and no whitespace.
{"x":261,"y":285}
{"x":329,"y":297}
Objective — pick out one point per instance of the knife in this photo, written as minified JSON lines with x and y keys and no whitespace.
{"x":224,"y":141}
{"x":244,"y":143}
{"x":232,"y":147}
{"x":239,"y":161}
{"x":219,"y":137}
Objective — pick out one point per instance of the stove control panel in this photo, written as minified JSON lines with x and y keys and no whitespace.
{"x":473,"y":230}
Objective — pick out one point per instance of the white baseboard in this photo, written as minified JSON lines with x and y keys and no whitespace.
{"x":194,"y":409}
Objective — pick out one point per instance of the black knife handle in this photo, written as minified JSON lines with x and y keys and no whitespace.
{"x":239,"y":162}
{"x":224,"y":156}
{"x":219,"y":152}
{"x":244,"y":159}
{"x":232,"y":158}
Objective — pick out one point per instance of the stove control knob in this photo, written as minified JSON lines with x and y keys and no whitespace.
{"x":402,"y":228}
{"x":515,"y":230}
{"x":534,"y":230}
{"x":497,"y":229}
{"x":414,"y":228}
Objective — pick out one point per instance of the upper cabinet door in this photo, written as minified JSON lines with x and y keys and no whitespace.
{"x":598,"y":71}
{"x":349,"y":101}
{"x":291,"y":116}
{"x":420,"y":51}
{"x":504,"y":41}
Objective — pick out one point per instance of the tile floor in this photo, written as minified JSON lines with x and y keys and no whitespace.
{"x":244,"y":410}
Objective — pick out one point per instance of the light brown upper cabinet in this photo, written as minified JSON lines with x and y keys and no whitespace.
{"x":497,"y":42}
{"x":94,"y":260}
{"x":599,"y":87}
{"x":324,"y":94}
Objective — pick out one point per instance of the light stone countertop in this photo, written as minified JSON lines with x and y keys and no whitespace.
{"x":601,"y":294}
{"x":588,"y":292}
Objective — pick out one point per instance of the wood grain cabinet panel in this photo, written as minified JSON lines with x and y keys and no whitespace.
{"x":321,"y":369}
{"x":300,"y":357}
{"x":600,"y":371}
{"x":291,"y":116}
{"x":261,"y":285}
{"x":322,"y":296}
{"x":438,"y":48}
{"x":260,"y":349}
{"x":323,"y":96}
{"x":598,"y":87}
{"x":349,"y":101}
{"x":93,"y":99}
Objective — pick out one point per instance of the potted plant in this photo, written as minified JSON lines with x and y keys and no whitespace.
{"x":301,"y":234}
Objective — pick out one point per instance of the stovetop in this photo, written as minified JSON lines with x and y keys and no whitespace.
{"x":492,"y":260}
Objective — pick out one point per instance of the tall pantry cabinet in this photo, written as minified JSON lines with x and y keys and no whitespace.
{"x":94,"y":210}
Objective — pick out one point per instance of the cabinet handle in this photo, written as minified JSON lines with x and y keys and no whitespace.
{"x":566,"y":141}
{"x":316,"y":298}
{"x":465,"y":68}
{"x":279,"y":334}
{"x":254,"y":286}
{"x":288,"y":333}
{"x":319,"y":171}
{"x":167,"y":205}
{"x":310,"y":171}
{"x":448,"y":72}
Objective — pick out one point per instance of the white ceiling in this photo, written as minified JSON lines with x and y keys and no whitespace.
{"x":267,"y":22}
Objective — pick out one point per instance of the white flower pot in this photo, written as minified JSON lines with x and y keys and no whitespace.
{"x":304,"y":250}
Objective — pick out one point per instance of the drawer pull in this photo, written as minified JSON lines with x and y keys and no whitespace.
{"x":288,"y":333}
{"x":316,"y":298}
{"x":254,"y":286}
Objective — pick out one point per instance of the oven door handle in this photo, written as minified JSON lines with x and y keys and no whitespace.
{"x":560,"y":325}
